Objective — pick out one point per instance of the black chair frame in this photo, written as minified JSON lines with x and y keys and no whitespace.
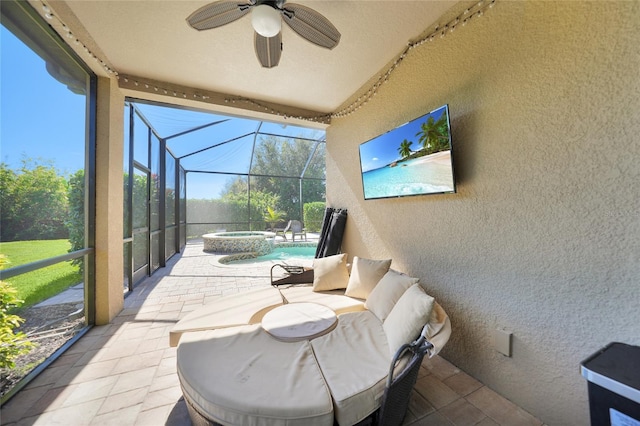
{"x":395,"y":400}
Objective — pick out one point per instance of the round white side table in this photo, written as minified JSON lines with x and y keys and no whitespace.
{"x":299,"y":321}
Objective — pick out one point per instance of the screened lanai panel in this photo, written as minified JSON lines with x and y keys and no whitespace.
{"x":170,"y":191}
{"x":170,"y":207}
{"x":170,"y":243}
{"x":183,"y":195}
{"x":286,"y":189}
{"x":208,"y":186}
{"x":233,"y":169}
{"x":42,"y":139}
{"x":140,"y":220}
{"x":168,"y":121}
{"x":281,"y":156}
{"x":155,"y":251}
{"x":230,"y":157}
{"x":316,"y":167}
{"x":141,"y":141}
{"x":154,"y":205}
{"x":215,"y":203}
{"x":182,"y":212}
{"x":288,"y":130}
{"x":125,"y":167}
{"x":219,"y":131}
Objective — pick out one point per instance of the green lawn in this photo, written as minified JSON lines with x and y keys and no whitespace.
{"x":43,"y":283}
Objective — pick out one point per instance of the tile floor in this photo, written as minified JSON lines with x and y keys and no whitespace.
{"x":124,"y":373}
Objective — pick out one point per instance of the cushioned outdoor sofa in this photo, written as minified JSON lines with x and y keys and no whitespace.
{"x":310,"y":354}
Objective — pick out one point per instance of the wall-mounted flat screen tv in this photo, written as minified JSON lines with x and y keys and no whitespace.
{"x":412,"y":159}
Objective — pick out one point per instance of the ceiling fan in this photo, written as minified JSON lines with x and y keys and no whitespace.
{"x":266,"y":18}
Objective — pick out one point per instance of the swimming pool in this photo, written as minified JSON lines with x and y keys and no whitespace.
{"x":280,"y":254}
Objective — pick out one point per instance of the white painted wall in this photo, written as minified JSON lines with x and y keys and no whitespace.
{"x":543,"y":236}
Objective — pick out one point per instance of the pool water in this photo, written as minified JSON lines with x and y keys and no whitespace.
{"x":281,"y":254}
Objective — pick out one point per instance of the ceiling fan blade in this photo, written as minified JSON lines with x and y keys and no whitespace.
{"x":217,"y":14}
{"x":268,"y":49}
{"x":311,"y":25}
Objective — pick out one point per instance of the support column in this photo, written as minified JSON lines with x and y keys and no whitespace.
{"x":109,"y":196}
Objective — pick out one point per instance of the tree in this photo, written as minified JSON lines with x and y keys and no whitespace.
{"x":34,"y":202}
{"x":405,"y":148}
{"x":75,"y":216}
{"x":237,"y":185}
{"x":258,"y":203}
{"x":7,"y":203}
{"x":434,"y":135}
{"x":140,"y":201}
{"x":280,"y":162}
{"x":272,"y":217}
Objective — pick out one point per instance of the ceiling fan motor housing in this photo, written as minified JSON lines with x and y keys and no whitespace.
{"x":266,"y":20}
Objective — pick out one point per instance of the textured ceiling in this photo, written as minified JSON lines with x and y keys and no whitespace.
{"x":151,"y":39}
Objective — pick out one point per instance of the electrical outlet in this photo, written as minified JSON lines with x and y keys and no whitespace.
{"x":502,"y":342}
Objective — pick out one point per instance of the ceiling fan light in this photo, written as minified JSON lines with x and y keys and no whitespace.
{"x":266,"y":20}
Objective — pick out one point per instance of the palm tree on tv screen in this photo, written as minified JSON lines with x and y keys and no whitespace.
{"x":434,"y":135}
{"x":405,"y":148}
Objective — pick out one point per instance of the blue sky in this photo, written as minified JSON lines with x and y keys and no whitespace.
{"x":382,"y":150}
{"x":37,"y":112}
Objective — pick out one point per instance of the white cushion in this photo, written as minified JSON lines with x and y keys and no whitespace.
{"x":330,"y":272}
{"x":332,"y":299}
{"x":439,"y":329}
{"x":228,"y":311}
{"x":387,"y":292}
{"x":243,"y":376}
{"x":355,"y":361}
{"x":407,"y":318}
{"x":365,"y":274}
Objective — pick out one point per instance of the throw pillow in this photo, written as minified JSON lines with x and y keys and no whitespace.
{"x":365,"y":274}
{"x":387,"y":292}
{"x":408,"y":317}
{"x":330,"y":273}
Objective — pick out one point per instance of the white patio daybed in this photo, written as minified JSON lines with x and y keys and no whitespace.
{"x":244,"y":360}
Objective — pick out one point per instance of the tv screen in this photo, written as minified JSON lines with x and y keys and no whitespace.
{"x":412,"y":159}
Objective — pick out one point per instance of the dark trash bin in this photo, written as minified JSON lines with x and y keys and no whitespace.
{"x":613,"y":375}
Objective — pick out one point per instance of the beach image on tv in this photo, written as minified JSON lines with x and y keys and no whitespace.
{"x":412,"y":159}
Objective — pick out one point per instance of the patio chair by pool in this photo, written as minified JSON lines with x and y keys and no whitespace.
{"x":297,"y":229}
{"x":283,"y":231}
{"x":295,"y":226}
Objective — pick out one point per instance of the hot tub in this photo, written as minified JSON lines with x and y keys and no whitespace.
{"x":239,"y":242}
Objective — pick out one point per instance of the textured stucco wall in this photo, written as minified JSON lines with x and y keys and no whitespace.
{"x":543,"y":236}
